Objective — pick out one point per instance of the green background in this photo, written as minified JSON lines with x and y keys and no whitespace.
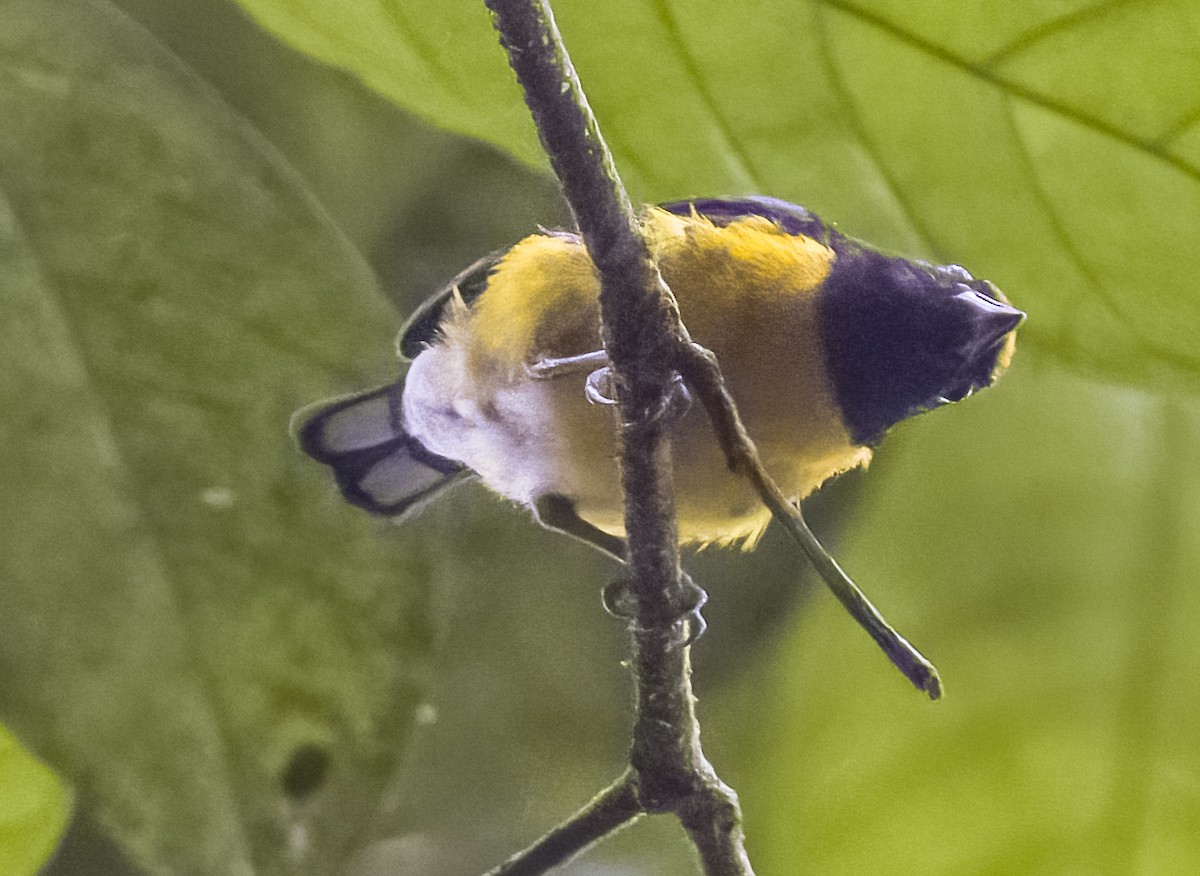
{"x":229,"y":671}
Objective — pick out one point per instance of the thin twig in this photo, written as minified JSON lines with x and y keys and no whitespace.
{"x":703,"y":375}
{"x":609,"y":811}
{"x":642,"y":332}
{"x":716,"y":831}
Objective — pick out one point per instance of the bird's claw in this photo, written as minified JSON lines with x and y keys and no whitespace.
{"x":688,"y":622}
{"x":600,"y":389}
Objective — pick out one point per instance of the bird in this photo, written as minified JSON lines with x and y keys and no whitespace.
{"x":825,"y":343}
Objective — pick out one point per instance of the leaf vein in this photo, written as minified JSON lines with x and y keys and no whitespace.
{"x":736,"y":156}
{"x":872,"y":151}
{"x":1072,"y":251}
{"x":1049,"y":28}
{"x":1015,"y":89}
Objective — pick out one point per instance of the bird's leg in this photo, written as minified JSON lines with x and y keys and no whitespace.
{"x":557,"y":512}
{"x":548,"y":368}
{"x":599,"y":384}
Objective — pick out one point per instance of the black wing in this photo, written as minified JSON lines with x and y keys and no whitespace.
{"x":421,"y":329}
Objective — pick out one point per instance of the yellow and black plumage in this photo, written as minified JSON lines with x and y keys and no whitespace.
{"x":824,"y":341}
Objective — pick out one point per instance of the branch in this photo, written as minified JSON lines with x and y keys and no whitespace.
{"x":610,"y":810}
{"x":715,"y":829}
{"x":642,"y":335}
{"x":647,"y":343}
{"x":700,"y":369}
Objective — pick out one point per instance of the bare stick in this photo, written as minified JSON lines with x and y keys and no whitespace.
{"x":610,"y":810}
{"x":700,"y":370}
{"x":642,"y":332}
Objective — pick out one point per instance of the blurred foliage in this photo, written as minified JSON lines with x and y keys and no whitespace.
{"x":33,"y":809}
{"x":1053,"y":147}
{"x":188,"y":613}
{"x":1044,"y":550}
{"x":185,"y":626}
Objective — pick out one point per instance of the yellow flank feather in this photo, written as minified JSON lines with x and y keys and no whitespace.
{"x":747,"y":291}
{"x":543,"y":299}
{"x":750,"y":258}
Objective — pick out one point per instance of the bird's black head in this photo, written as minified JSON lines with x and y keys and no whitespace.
{"x":902,"y":337}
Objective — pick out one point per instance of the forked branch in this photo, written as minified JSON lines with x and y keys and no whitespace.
{"x":642,"y":334}
{"x":647,"y":345}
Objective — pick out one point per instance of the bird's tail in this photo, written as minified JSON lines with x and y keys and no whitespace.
{"x":378,"y":466}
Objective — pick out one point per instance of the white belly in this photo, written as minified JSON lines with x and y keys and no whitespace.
{"x":513,"y":432}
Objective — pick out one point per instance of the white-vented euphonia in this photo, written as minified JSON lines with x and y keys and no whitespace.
{"x":825,"y":343}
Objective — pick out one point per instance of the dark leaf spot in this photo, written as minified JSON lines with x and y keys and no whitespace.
{"x":305,"y":772}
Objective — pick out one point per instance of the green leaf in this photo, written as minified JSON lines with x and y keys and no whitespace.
{"x":1053,"y":581}
{"x":186,"y":608}
{"x":33,"y":809}
{"x":1052,"y":147}
{"x":221,"y":660}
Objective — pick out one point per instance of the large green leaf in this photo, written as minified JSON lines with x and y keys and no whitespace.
{"x":1053,"y":147}
{"x":221,"y":661}
{"x":1050,"y":570}
{"x":184,"y":606}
